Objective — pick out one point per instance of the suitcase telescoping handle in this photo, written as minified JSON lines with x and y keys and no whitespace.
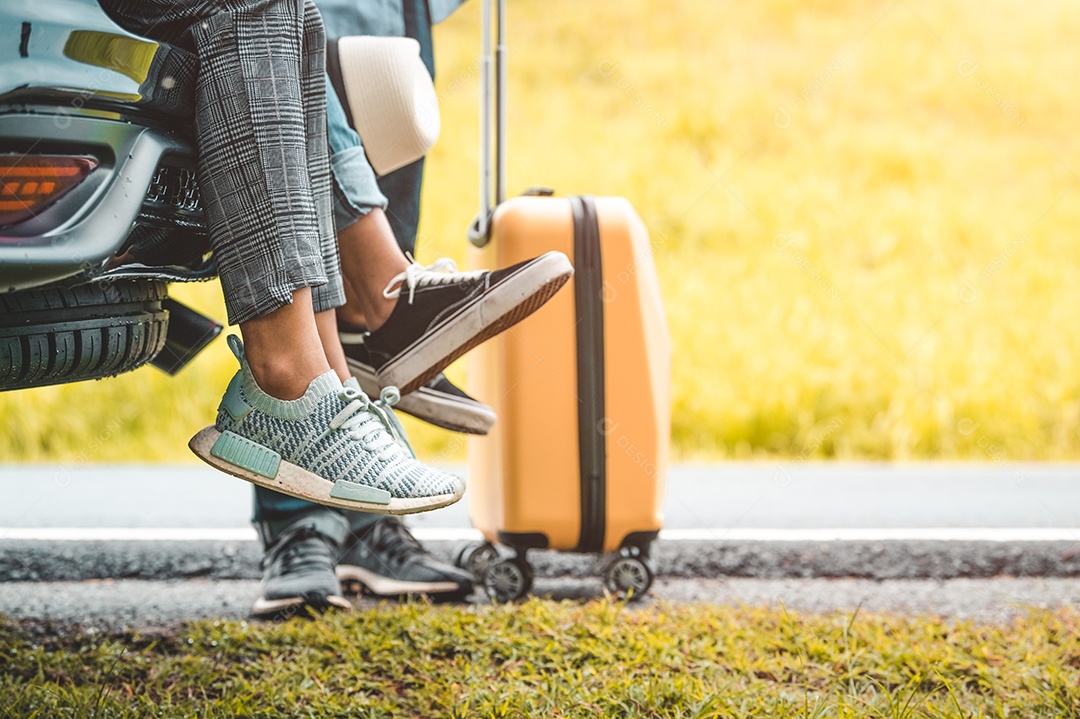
{"x":492,"y":112}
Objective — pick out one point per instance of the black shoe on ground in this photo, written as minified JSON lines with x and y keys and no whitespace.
{"x":387,"y":561}
{"x":298,"y":574}
{"x":441,"y":314}
{"x":439,"y":402}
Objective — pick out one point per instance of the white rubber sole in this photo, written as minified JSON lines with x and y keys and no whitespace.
{"x":435,"y":408}
{"x":514,"y":299}
{"x":298,"y":482}
{"x":290,"y":605}
{"x":387,"y":587}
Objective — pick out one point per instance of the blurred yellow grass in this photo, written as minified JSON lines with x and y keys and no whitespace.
{"x":863,"y":217}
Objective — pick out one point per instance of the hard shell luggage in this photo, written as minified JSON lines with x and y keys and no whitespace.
{"x":577,"y":460}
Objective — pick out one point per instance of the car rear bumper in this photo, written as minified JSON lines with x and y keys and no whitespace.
{"x":79,"y":231}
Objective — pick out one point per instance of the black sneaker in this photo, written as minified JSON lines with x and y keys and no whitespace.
{"x":385,"y":560}
{"x":298,"y":574}
{"x":438,"y":402}
{"x":441,"y":314}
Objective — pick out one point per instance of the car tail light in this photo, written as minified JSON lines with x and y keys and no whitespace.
{"x":30,"y":183}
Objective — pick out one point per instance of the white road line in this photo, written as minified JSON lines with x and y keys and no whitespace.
{"x":460,"y":534}
{"x":899,"y":534}
{"x":128,"y":534}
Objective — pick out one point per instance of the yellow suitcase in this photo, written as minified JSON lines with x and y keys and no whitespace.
{"x":577,"y":460}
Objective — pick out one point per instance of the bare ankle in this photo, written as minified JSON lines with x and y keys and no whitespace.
{"x":283,"y":348}
{"x":284,"y":380}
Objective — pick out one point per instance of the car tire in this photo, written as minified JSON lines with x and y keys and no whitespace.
{"x":70,"y":334}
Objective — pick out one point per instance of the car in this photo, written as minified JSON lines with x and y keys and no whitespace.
{"x":99,"y":199}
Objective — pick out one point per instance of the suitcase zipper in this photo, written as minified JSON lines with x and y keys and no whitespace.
{"x":589,"y":308}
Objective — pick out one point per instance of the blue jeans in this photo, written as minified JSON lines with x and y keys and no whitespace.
{"x":356,"y":190}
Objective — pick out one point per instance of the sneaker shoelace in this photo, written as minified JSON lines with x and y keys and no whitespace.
{"x":393,"y":542}
{"x":297,"y":553}
{"x":442,"y":271}
{"x":373,"y":424}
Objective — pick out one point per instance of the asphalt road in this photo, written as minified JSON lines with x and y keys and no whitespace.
{"x":161,"y":544}
{"x":122,"y":604}
{"x":754,"y":520}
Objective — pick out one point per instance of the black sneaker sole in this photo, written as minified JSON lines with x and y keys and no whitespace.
{"x":371,"y":583}
{"x":429,"y":405}
{"x":511,"y":301}
{"x":304,"y":607}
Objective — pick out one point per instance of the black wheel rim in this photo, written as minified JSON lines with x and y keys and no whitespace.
{"x":505,"y":581}
{"x":480,"y":559}
{"x":629,"y":574}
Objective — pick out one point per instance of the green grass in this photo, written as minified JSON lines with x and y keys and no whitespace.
{"x":547,"y":659}
{"x":864,"y":218}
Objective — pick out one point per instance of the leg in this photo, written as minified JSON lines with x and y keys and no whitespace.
{"x":275,"y":511}
{"x":257,"y":170}
{"x":402,"y":190}
{"x":377,"y":552}
{"x":285,"y":374}
{"x":331,"y":295}
{"x":266,"y":194}
{"x":252,"y":115}
{"x":381,"y":555}
{"x":375,"y":271}
{"x":369,"y":253}
{"x":440,"y":313}
{"x":326,"y":323}
{"x":300,"y":553}
{"x":370,"y":259}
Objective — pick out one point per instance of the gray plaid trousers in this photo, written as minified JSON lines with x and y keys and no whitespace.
{"x":260,"y":124}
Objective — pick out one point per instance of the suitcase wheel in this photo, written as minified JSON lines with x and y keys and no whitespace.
{"x":476,"y":557}
{"x":508,"y":579}
{"x":629,"y":576}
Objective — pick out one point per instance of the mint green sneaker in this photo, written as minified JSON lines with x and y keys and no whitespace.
{"x":332,"y":446}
